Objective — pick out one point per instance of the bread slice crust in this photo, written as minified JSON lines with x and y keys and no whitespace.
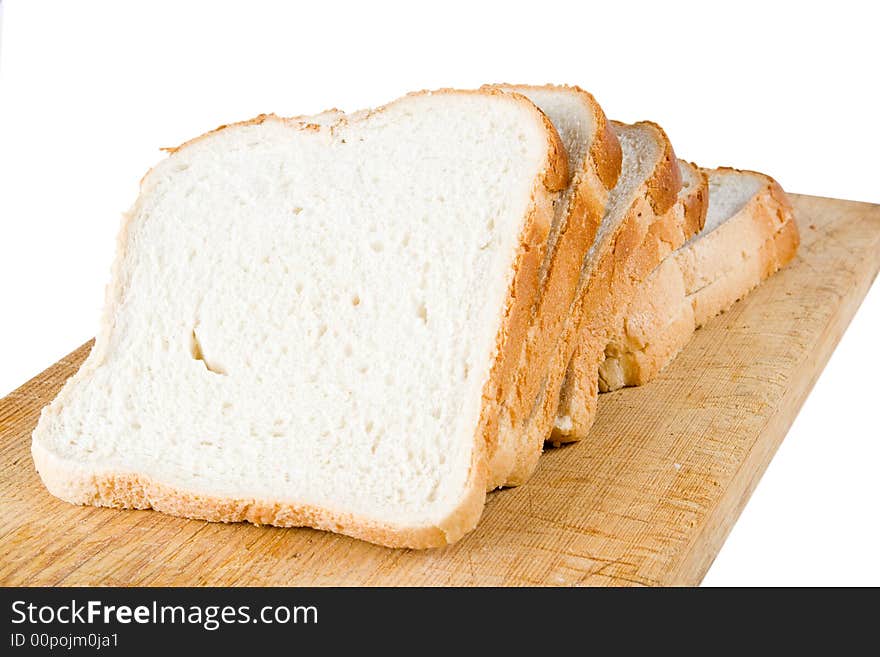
{"x":656,"y":195}
{"x":580,"y":212}
{"x":77,"y":484}
{"x":699,"y":281}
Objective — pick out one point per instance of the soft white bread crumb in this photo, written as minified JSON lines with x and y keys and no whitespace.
{"x":304,"y":318}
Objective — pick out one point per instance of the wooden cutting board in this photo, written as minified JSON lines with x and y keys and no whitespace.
{"x":648,"y":499}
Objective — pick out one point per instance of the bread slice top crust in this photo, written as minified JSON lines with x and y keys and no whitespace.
{"x":306,"y":321}
{"x":693,"y":198}
{"x":594,"y":161}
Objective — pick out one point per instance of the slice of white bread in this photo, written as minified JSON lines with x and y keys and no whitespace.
{"x":750,"y":234}
{"x":648,"y":186}
{"x":594,"y":158}
{"x":309,"y":323}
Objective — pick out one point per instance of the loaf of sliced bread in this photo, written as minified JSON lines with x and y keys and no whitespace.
{"x":750,"y":233}
{"x":594,"y":162}
{"x":312,"y":322}
{"x":648,"y":186}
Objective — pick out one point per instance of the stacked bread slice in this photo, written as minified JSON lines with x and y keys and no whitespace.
{"x":594,"y":156}
{"x":750,"y":233}
{"x":363,"y":322}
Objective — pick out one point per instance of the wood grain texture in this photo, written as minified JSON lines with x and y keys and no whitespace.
{"x":647,"y":500}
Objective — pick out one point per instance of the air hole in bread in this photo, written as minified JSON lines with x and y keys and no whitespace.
{"x":356,"y":300}
{"x":195,"y":349}
{"x":422,"y":312}
{"x":297,"y":210}
{"x":348,"y":351}
{"x":377,"y":246}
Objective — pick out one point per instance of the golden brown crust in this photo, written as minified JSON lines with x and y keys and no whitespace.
{"x":696,"y":203}
{"x":511,"y":338}
{"x":556,"y":177}
{"x":581,"y":211}
{"x":548,"y":317}
{"x":605,"y":152}
{"x":136,"y":491}
{"x":69,"y":482}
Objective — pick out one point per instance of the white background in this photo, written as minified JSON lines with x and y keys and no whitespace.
{"x":90,"y":90}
